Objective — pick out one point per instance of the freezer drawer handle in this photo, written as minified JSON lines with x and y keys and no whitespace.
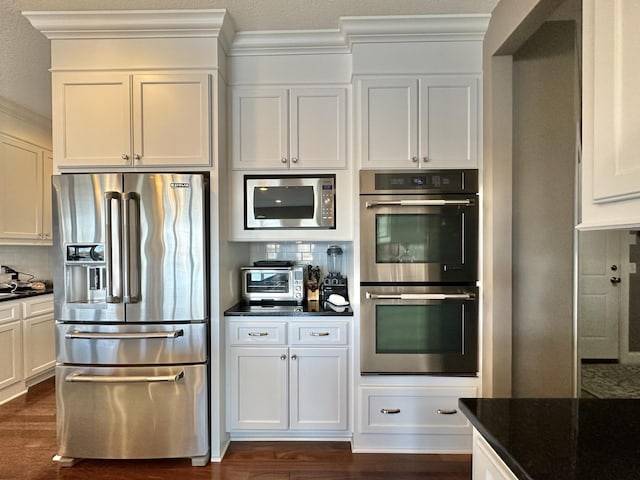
{"x":123,"y":335}
{"x":419,"y":203}
{"x":78,"y":377}
{"x":420,"y":296}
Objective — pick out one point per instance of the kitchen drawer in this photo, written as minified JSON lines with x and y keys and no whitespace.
{"x":262,"y":333}
{"x":9,"y":312}
{"x":414,"y":410}
{"x":37,"y":306}
{"x":326,"y":333}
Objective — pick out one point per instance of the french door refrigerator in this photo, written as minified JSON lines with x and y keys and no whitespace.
{"x":131,"y":311}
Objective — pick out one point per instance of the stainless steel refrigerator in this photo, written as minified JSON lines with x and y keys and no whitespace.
{"x":132,"y":316}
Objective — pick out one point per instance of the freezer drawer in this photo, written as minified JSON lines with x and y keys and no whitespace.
{"x":137,"y":344}
{"x":132,"y":412}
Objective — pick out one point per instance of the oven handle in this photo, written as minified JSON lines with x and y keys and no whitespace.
{"x":420,"y":296}
{"x":419,"y":203}
{"x":78,"y":377}
{"x":123,"y":335}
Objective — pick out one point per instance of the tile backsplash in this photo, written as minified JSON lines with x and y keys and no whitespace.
{"x":301,"y":252}
{"x":36,"y":261}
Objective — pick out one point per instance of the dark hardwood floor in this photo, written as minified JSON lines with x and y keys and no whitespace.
{"x":28,"y":444}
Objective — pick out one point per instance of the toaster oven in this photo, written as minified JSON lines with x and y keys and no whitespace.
{"x":284,"y":284}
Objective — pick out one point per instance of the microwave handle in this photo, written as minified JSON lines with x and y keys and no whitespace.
{"x":419,"y":203}
{"x":420,"y":296}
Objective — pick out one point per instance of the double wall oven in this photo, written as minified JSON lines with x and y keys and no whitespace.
{"x":419,"y":272}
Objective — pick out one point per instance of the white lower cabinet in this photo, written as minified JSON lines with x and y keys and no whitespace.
{"x":280,"y":385}
{"x":413,"y":418}
{"x":27,"y":344}
{"x":486,"y":463}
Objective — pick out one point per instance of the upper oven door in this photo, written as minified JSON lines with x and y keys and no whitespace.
{"x":419,"y":238}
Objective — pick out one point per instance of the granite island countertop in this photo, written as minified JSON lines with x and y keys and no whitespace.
{"x":561,"y":439}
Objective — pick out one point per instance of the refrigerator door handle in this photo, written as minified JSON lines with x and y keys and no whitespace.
{"x":112,"y":248}
{"x":79,"y":377}
{"x":131,"y":255}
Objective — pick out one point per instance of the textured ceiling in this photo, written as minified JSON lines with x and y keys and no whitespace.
{"x":25,"y":58}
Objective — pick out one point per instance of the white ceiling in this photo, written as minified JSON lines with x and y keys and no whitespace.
{"x":24,"y":52}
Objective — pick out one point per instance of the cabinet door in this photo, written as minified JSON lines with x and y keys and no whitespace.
{"x":611,"y":100}
{"x":486,"y":463}
{"x":171,"y":120}
{"x":449,"y":122}
{"x":20,"y":190}
{"x":258,"y":390}
{"x":92,"y":119}
{"x":47,"y":172}
{"x":260,"y":122}
{"x":389,"y":123}
{"x":318,"y":128}
{"x":318,"y":388}
{"x":39,"y":345}
{"x":10,"y":353}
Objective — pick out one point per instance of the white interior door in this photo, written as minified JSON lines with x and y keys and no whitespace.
{"x":599,"y":292}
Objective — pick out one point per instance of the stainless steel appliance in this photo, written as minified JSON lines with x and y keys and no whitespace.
{"x":419,"y":272}
{"x":131,"y":310}
{"x":273,"y":282}
{"x":334,"y":283}
{"x":419,"y":329}
{"x":289,"y":201}
{"x":419,"y":226}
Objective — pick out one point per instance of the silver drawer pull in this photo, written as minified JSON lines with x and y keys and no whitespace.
{"x":419,"y":296}
{"x":78,"y":377}
{"x":258,"y":334}
{"x":123,"y":335}
{"x":389,"y":411}
{"x":447,"y":411}
{"x":319,"y":334}
{"x":418,"y":203}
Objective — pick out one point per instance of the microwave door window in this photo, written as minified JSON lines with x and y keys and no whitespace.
{"x":419,"y":329}
{"x":282,"y":203}
{"x":419,"y":238}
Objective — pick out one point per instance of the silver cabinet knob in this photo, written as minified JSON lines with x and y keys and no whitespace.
{"x":425,"y":159}
{"x":136,"y":157}
{"x":283,"y":160}
{"x":615,"y":280}
{"x":294,"y":159}
{"x":283,"y":357}
{"x":125,"y":156}
{"x":294,"y":357}
{"x":414,"y":159}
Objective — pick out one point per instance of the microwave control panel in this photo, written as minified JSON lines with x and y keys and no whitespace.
{"x":327,"y":203}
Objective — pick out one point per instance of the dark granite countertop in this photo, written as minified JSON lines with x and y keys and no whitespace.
{"x":561,"y":439}
{"x":310,"y":309}
{"x":22,"y":294}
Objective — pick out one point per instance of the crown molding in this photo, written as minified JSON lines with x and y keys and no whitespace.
{"x":57,"y":25}
{"x":366,"y":29}
{"x":10,"y":108}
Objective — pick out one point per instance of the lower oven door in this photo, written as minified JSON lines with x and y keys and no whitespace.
{"x":419,"y":330}
{"x":132,"y":412}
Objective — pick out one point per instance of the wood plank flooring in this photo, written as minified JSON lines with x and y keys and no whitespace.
{"x":28,"y":443}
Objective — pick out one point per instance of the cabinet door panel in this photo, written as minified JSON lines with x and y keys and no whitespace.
{"x":260,"y":125}
{"x":91,"y":119}
{"x":389,"y":123}
{"x":448,"y":122}
{"x":20,"y":190}
{"x":318,"y":388}
{"x":171,"y":119}
{"x":318,"y":123}
{"x":39,"y":345}
{"x":259,"y":383}
{"x":10,"y":353}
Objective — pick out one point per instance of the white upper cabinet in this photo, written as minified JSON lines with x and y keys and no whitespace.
{"x":419,"y":122}
{"x":611,"y":101}
{"x":25,"y":192}
{"x":121,"y":120}
{"x":296,"y":128}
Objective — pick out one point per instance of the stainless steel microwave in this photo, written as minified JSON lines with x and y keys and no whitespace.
{"x":289,"y":202}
